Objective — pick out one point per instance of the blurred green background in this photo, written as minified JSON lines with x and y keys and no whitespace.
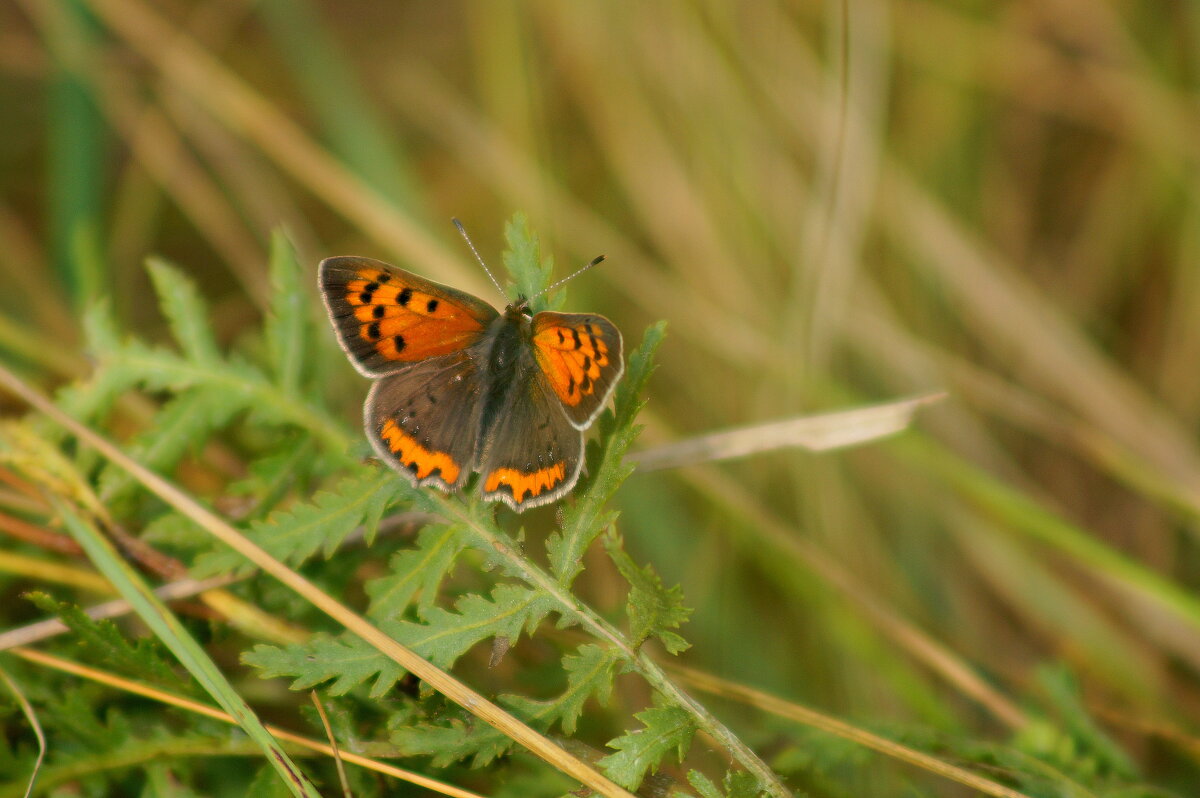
{"x":831,"y":204}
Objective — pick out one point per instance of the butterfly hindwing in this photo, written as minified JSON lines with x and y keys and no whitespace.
{"x":580,"y":355}
{"x":531,"y":453}
{"x":386,"y":317}
{"x":424,"y":420}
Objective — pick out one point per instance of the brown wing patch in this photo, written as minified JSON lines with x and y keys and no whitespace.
{"x":385,"y":316}
{"x":424,"y":420}
{"x":580,"y":354}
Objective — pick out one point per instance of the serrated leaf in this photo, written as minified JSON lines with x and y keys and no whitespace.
{"x":703,"y":785}
{"x":740,"y":784}
{"x":296,"y":534}
{"x":167,"y":628}
{"x":449,"y":743}
{"x":103,"y":640}
{"x":75,"y":720}
{"x":587,"y":515}
{"x":186,"y":311}
{"x":653,"y":610}
{"x":287,"y":324}
{"x":666,"y":729}
{"x":445,"y":636}
{"x":416,"y":571}
{"x":523,"y":260}
{"x":346,"y":660}
{"x":590,"y":674}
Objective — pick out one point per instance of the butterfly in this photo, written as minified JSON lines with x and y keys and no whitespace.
{"x":462,"y":388}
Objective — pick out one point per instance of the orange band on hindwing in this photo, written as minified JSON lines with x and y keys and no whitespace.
{"x":420,"y":461}
{"x":521,"y":483}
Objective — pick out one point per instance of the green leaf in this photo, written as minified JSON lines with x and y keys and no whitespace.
{"x":523,"y":260}
{"x":740,"y":784}
{"x":296,"y":534}
{"x":588,"y":514}
{"x":174,"y":636}
{"x":590,"y":674}
{"x":288,"y":324}
{"x":107,"y":646}
{"x":464,"y":736}
{"x":446,"y":635}
{"x":590,"y":670}
{"x":265,"y":785}
{"x":346,"y":660}
{"x":416,"y":571}
{"x":667,"y":729}
{"x":185,"y":310}
{"x":653,"y":610}
{"x":703,"y":785}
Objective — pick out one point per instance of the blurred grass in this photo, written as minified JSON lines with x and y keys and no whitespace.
{"x":828,"y":204}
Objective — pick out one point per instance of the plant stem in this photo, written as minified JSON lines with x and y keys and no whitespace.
{"x":652,"y":672}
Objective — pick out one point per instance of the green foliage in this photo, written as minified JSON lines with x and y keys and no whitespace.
{"x":463,"y":591}
{"x":186,"y":312}
{"x":345,"y":659}
{"x":653,"y":610}
{"x":296,"y":534}
{"x":288,"y":329}
{"x":590,"y":673}
{"x":529,"y":271}
{"x":666,"y":730}
{"x":590,"y":670}
{"x":102,"y":642}
{"x":584,"y":519}
{"x":416,"y":571}
{"x":737,"y":784}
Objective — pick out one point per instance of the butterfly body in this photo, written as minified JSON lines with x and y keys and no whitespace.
{"x":462,"y":387}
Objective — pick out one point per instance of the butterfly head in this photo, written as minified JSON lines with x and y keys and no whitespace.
{"x":520,"y":307}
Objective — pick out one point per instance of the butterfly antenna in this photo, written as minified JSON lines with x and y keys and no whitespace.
{"x":571,"y":276}
{"x":478,"y":257}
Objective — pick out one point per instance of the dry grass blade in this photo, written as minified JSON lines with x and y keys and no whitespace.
{"x":31,"y":716}
{"x":438,"y":679}
{"x":816,"y":433}
{"x":153,"y":693}
{"x":809,"y":717}
{"x":42,"y":630}
{"x":337,"y":754}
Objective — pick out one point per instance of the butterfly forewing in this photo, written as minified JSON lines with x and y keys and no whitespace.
{"x":386,"y":317}
{"x":424,"y":420}
{"x":580,"y":355}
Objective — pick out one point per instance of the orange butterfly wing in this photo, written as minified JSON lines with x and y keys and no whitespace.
{"x":580,"y":354}
{"x":386,"y":317}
